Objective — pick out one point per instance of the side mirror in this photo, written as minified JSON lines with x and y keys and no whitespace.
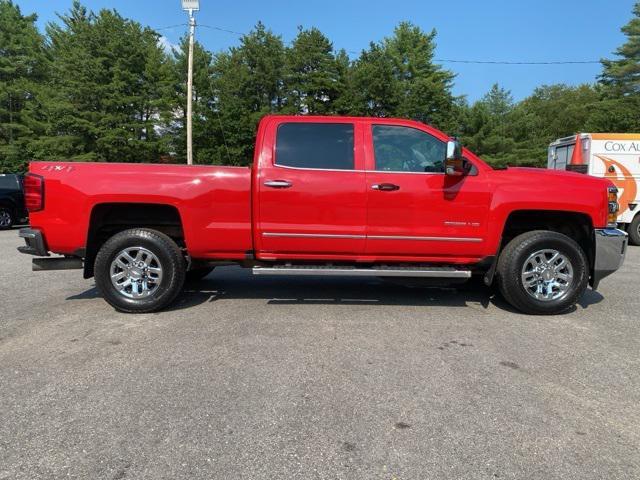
{"x":454,"y":163}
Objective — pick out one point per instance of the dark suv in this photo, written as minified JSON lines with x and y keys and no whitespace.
{"x":12,"y":208}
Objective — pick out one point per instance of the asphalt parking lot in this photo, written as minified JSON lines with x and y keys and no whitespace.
{"x":313,"y":378}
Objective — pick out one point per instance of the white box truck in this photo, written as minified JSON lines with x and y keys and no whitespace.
{"x":615,"y":156}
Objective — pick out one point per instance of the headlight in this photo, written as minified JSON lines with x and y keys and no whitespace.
{"x":612,"y":217}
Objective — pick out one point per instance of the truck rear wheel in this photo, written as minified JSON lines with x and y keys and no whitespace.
{"x":542,"y":272}
{"x":139,"y":271}
{"x":634,"y":231}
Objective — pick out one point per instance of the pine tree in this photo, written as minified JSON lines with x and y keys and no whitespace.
{"x":374,"y":88}
{"x":498,"y":101}
{"x":623,"y":75}
{"x":487,"y":123}
{"x":248,"y":84}
{"x":620,"y":81}
{"x":424,"y":87}
{"x":312,"y":74}
{"x":398,"y":77}
{"x":345,"y":101}
{"x":23,"y":67}
{"x":107,"y":78}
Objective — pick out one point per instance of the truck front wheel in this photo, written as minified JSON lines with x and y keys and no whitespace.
{"x":139,"y":271}
{"x":542,"y":272}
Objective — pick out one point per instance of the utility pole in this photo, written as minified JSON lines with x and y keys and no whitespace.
{"x":190,"y":6}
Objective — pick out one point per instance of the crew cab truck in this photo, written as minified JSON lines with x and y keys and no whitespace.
{"x":614,"y":156}
{"x":327,"y":196}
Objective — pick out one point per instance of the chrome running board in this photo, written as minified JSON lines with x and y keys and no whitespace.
{"x":322,"y":270}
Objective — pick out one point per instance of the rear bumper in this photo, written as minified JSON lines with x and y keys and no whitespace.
{"x":610,"y":250}
{"x":34,"y":243}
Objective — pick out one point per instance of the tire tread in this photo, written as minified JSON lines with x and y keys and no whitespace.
{"x":508,"y":273}
{"x":177,"y":266}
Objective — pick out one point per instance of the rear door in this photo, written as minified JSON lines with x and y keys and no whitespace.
{"x":311,"y":187}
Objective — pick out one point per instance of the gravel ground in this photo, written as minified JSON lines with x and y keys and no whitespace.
{"x":314,"y":378}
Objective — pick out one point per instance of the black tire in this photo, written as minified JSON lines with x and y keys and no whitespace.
{"x":197,"y":274}
{"x":515,"y":255}
{"x":634,"y":231}
{"x":7,"y":218}
{"x":169,"y":257}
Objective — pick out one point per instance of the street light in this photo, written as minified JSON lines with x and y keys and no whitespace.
{"x":190,"y":6}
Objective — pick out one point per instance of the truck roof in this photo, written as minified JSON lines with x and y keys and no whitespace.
{"x":344,"y":119}
{"x":341,"y":118}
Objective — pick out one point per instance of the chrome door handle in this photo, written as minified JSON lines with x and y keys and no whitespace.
{"x":385,"y":187}
{"x":278,"y":184}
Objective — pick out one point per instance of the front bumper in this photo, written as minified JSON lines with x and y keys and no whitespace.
{"x":34,"y":242}
{"x":610,"y":250}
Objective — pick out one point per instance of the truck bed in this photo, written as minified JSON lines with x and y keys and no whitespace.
{"x":214,"y":202}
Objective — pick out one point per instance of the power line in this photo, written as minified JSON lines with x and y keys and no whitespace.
{"x":171,"y":26}
{"x":444,"y":60}
{"x":500,"y":62}
{"x":222,"y":30}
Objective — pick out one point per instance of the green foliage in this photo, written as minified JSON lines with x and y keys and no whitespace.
{"x":100,"y":87}
{"x":397,"y":77}
{"x":487,"y":122}
{"x":108,"y":85}
{"x":23,"y":69}
{"x":248,"y":84}
{"x":620,"y":85}
{"x":312,"y":77}
{"x":623,"y":75}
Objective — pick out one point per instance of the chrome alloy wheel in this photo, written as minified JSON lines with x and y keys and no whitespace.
{"x":136,"y":272}
{"x":547,"y":275}
{"x":5,"y":219}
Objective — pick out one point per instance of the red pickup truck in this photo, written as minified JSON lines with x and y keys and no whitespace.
{"x":327,"y":196}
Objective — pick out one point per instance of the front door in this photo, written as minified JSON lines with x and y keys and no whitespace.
{"x":312,"y":193}
{"x":414,"y":210}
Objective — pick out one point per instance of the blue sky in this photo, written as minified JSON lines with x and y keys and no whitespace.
{"x":511,"y":30}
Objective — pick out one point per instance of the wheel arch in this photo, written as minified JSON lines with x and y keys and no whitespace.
{"x":576,"y":225}
{"x":107,"y":219}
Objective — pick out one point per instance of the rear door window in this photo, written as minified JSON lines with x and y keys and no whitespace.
{"x":327,"y":146}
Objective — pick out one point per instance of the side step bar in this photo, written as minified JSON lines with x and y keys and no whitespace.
{"x":62,"y":263}
{"x":428,"y":272}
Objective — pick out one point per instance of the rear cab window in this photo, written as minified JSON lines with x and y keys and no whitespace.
{"x":309,"y":145}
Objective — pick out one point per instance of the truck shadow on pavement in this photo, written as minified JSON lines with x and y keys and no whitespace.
{"x":232,"y":283}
